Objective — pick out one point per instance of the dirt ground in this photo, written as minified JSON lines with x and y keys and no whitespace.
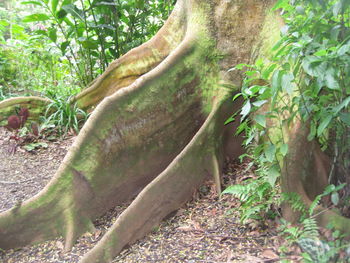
{"x":201,"y":231}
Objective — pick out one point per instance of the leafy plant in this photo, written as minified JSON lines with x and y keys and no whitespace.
{"x":307,"y":79}
{"x":257,"y":197}
{"x":306,"y":234}
{"x":92,"y":33}
{"x":64,"y":116}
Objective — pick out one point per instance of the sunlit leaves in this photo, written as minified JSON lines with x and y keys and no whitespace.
{"x":36,"y":18}
{"x":92,"y":33}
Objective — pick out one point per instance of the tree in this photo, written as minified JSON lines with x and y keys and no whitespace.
{"x":156,"y":129}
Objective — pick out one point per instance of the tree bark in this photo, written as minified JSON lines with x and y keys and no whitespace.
{"x":156,"y":129}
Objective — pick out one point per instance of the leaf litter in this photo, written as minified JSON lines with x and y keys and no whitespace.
{"x":200,"y":231}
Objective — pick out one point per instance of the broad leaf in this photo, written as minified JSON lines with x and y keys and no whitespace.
{"x":53,"y":34}
{"x":287,"y":83}
{"x":261,"y":119}
{"x":270,"y":153}
{"x":36,"y":18}
{"x":54,"y":4}
{"x":246,"y":110}
{"x":324,"y":124}
{"x":273,"y":174}
{"x":38,"y":3}
{"x":284,"y":149}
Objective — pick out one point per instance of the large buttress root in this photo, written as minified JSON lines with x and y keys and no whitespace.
{"x":124,"y":71}
{"x":35,"y":105}
{"x":106,"y":164}
{"x":305,"y":172}
{"x":168,"y":191}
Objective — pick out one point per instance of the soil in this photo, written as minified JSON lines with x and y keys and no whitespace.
{"x":201,"y":231}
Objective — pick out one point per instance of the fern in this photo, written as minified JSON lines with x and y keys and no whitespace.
{"x":295,"y":201}
{"x":310,"y":228}
{"x":256,"y":197}
{"x":328,"y":190}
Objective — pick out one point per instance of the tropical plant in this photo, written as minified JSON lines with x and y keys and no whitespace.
{"x":63,"y":116}
{"x":92,"y":33}
{"x":307,"y":79}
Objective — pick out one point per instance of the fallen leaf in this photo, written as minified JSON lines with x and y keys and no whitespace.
{"x":269,"y":254}
{"x":98,"y":233}
{"x":59,"y":245}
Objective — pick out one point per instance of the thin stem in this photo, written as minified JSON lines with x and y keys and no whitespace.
{"x":105,"y":62}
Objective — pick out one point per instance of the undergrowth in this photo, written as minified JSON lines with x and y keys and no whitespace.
{"x":307,"y":80}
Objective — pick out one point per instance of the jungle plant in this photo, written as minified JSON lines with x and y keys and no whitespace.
{"x":257,"y":196}
{"x":307,"y":80}
{"x":92,"y":33}
{"x":306,"y":232}
{"x":64,"y":117}
{"x":29,"y":64}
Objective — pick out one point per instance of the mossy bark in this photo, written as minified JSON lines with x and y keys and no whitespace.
{"x":156,"y":130}
{"x":305,"y":172}
{"x":35,"y":105}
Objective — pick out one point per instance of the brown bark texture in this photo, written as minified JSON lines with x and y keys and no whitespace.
{"x":156,"y":130}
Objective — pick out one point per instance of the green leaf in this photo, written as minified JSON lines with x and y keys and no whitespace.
{"x":273,"y":174}
{"x":321,"y":53}
{"x":32,"y":146}
{"x":324,"y":124}
{"x":54,"y":4}
{"x":231,"y":119}
{"x":267,"y":72}
{"x":246,"y":110}
{"x":90,"y":44}
{"x":345,"y":117}
{"x":38,"y":3}
{"x":313,"y":130}
{"x":335,"y":32}
{"x":61,"y":14}
{"x":260,"y":119}
{"x":270,"y":153}
{"x":64,"y":46}
{"x":300,"y":10}
{"x":236,"y":96}
{"x":287,"y":84}
{"x":335,"y":198}
{"x":342,"y":105}
{"x":313,"y":66}
{"x":284,"y":149}
{"x":74,"y":11}
{"x":337,"y":8}
{"x":36,"y":18}
{"x":240,"y":67}
{"x":259,"y":103}
{"x":330,"y":79}
{"x":280,"y":4}
{"x":343,"y":50}
{"x":276,"y":81}
{"x":53,"y":34}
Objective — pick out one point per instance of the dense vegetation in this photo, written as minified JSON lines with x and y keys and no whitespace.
{"x":55,"y":48}
{"x":307,"y":80}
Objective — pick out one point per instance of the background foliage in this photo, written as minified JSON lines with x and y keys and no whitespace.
{"x":54,"y":48}
{"x":62,"y":45}
{"x":307,"y":80}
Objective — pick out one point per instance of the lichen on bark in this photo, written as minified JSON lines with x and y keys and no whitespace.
{"x":155,"y":133}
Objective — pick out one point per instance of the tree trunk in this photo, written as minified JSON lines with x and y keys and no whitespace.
{"x":156,"y":129}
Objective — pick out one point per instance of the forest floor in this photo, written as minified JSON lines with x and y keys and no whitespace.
{"x":206,"y":229}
